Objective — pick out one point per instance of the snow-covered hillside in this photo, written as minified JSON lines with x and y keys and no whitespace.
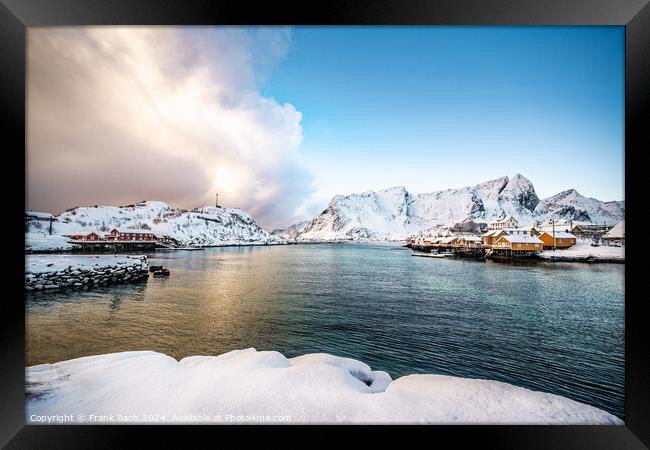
{"x":394,"y":213}
{"x":203,"y":226}
{"x":293,"y":231}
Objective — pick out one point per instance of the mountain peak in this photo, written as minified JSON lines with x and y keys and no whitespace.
{"x":394,"y":188}
{"x":567,"y":193}
{"x":520,"y":179}
{"x":394,"y":213}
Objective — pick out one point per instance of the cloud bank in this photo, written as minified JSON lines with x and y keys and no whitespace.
{"x":117,"y":115}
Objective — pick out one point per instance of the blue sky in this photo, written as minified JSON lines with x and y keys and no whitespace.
{"x":438,"y":107}
{"x":278,"y":120}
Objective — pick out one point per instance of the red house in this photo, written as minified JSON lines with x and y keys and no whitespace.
{"x":130,"y":235}
{"x":92,"y":236}
{"x":164,"y":238}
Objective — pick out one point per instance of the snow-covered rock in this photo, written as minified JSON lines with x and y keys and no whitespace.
{"x":252,"y":386}
{"x":394,"y":213}
{"x":202,"y":226}
{"x":74,"y":271}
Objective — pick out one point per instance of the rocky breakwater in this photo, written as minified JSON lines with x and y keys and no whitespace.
{"x":56,"y":272}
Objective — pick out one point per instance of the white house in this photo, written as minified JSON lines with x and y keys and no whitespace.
{"x":616,"y":234}
{"x":506,"y":222}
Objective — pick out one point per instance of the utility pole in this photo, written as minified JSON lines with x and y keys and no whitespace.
{"x":217,"y":203}
{"x":553,"y":221}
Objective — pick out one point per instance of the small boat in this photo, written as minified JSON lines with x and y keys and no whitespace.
{"x":161,"y":273}
{"x":189,"y":248}
{"x":429,"y":255}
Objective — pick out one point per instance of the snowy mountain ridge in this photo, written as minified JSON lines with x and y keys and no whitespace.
{"x":394,"y":213}
{"x":202,"y":226}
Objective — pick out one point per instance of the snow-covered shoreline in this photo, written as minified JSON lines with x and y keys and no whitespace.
{"x":244,"y":386}
{"x":53,"y":272}
{"x":206,"y":226}
{"x":584,"y":252}
{"x":40,"y":242}
{"x":581,"y":252}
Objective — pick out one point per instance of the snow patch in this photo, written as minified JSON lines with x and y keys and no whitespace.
{"x":584,"y":251}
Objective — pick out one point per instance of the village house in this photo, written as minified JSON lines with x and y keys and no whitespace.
{"x":451,"y":240}
{"x":569,"y":226}
{"x":562,"y":239}
{"x":164,"y":238}
{"x":522,"y":231}
{"x":84,"y":236}
{"x":521,"y":243}
{"x":616,"y":234}
{"x":506,"y":222}
{"x":419,"y":240}
{"x":121,"y":236}
{"x":471,"y":241}
{"x":130,"y":235}
{"x":491,"y":237}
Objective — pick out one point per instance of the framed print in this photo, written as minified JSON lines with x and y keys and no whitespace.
{"x":378,"y":215}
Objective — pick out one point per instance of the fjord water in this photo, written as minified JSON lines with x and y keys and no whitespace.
{"x":552,"y":327}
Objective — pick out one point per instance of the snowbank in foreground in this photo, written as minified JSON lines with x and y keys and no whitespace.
{"x":583,"y":251}
{"x":39,"y":242}
{"x":251,"y":386}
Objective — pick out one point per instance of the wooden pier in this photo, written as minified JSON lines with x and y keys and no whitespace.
{"x":479,"y":251}
{"x":106,"y":246}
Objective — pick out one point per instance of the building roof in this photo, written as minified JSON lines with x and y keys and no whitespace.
{"x":617,"y":232}
{"x":472,"y":238}
{"x":40,"y":214}
{"x":83,"y":233}
{"x":504,"y":219}
{"x":494,"y":233}
{"x":521,"y":239}
{"x":512,"y":230}
{"x":558,"y":228}
{"x":132,"y":231}
{"x":559,"y":234}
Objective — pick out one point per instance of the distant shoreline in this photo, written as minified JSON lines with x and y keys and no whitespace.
{"x":537,"y":258}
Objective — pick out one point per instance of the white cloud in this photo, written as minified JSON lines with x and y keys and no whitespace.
{"x":122,"y":114}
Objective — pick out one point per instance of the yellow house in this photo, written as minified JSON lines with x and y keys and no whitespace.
{"x":491,"y":237}
{"x":519,"y":243}
{"x":470,"y":241}
{"x":562,"y":239}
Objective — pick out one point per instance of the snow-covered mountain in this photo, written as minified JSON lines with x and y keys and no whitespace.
{"x":571,"y":205}
{"x":293,"y":231}
{"x":394,"y":213}
{"x":202,"y":226}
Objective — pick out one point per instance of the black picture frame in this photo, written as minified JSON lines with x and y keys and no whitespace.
{"x":16,"y":15}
